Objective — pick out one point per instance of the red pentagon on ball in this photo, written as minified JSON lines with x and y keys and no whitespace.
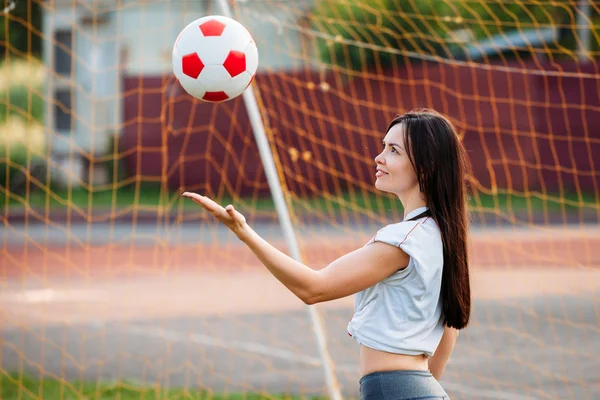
{"x":235,"y":63}
{"x":215,"y":96}
{"x":212,"y":28}
{"x":192,"y":65}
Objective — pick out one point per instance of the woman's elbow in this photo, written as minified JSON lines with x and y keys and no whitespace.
{"x":316,"y":292}
{"x":309,"y":301}
{"x":312,"y":298}
{"x":309,"y":296}
{"x":437,"y":372}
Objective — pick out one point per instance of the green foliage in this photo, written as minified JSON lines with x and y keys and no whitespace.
{"x":17,"y":168}
{"x":388,"y":30}
{"x":21,"y":133}
{"x":22,"y":102}
{"x":10,"y":161}
{"x":23,"y":34}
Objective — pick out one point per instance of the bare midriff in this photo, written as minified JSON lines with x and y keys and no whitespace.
{"x":372,"y":360}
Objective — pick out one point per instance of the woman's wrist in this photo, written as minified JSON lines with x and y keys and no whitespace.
{"x":244,"y":232}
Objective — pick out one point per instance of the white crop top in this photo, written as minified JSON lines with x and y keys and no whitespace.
{"x":403,"y":313}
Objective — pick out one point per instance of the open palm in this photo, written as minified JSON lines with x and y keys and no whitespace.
{"x":229,"y":216}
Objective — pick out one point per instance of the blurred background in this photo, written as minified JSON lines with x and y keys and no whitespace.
{"x":112,"y":286}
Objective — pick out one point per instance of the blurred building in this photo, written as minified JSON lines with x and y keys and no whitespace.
{"x":97,"y":48}
{"x":530,"y":123}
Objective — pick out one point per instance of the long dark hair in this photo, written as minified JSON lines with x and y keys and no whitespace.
{"x":442,"y":167}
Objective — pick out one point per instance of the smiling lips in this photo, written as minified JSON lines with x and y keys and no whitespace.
{"x":380,"y":172}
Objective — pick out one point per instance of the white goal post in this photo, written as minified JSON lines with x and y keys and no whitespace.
{"x":284,"y":217}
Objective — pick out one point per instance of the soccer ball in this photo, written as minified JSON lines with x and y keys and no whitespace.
{"x":215,"y":58}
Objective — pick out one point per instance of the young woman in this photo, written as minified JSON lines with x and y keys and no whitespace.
{"x":411,"y":280}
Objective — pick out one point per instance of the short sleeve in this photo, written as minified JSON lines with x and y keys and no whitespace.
{"x":397,"y":235}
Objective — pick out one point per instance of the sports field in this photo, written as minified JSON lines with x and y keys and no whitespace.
{"x":184,"y":313}
{"x":114,"y":287}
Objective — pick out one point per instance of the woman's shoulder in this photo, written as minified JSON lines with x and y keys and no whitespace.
{"x":399,"y":233}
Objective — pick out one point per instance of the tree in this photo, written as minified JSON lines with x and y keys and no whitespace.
{"x":359,"y":34}
{"x":22,"y":36}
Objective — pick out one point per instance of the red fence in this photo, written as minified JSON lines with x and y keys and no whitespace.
{"x":526,"y":126}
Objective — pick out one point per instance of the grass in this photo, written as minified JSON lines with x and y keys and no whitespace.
{"x":148,"y":197}
{"x":26,"y":387}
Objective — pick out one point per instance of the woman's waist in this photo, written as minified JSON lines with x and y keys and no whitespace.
{"x":372,"y":360}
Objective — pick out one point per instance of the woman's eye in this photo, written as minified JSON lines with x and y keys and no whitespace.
{"x":392,"y":149}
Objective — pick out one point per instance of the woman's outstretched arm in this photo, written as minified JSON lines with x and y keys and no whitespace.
{"x":345,"y":276}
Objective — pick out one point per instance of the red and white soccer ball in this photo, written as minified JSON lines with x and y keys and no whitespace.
{"x":215,"y":58}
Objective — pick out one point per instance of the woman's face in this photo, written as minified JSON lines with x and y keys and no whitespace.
{"x":395,"y":174}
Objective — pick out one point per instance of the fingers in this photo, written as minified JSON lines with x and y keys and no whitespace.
{"x":230,"y":211}
{"x":194,"y":196}
{"x":211,"y":206}
{"x":202,"y":200}
{"x":228,"y":215}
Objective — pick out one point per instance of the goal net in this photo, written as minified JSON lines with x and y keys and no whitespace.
{"x":111,"y":283}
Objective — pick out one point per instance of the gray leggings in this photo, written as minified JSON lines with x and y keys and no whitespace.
{"x":401,"y":385}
